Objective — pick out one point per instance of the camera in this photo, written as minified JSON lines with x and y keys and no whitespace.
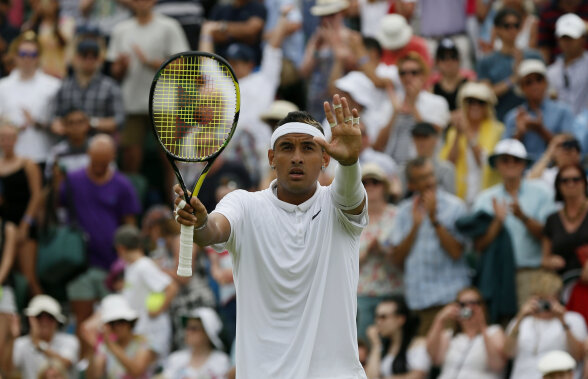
{"x":543,"y":305}
{"x":465,"y":313}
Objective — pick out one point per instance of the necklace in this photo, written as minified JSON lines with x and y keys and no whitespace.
{"x":577,"y":216}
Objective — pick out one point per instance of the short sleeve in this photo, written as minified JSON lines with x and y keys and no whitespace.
{"x":231,"y":206}
{"x":152,"y":276}
{"x":577,"y":325}
{"x":69,"y":348}
{"x":19,"y":352}
{"x":128,"y":203}
{"x":177,"y":41}
{"x":548,"y":229}
{"x":418,"y":358}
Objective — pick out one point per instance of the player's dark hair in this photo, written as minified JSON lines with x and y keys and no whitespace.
{"x":409,"y":330}
{"x":301,"y":116}
{"x":502,"y":14}
{"x":371,"y":43}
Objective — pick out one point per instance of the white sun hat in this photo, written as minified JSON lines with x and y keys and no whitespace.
{"x":394,"y":32}
{"x":510,"y":146}
{"x":359,"y":86}
{"x":47,"y":304}
{"x":328,"y":7}
{"x":211,"y":322}
{"x":531,"y":66}
{"x":556,"y":361}
{"x":116,"y":307}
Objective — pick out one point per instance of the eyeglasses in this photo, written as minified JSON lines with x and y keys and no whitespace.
{"x":474,"y":101}
{"x":532,"y":79}
{"x":28,"y":54}
{"x":571,"y":179}
{"x":510,"y":25}
{"x":464,"y":304}
{"x":383,"y":316}
{"x":410,"y":72}
{"x":508,"y":159}
{"x":371,"y":181}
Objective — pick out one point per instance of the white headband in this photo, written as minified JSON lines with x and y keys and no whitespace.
{"x":295,"y":127}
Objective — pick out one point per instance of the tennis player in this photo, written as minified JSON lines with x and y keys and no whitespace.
{"x":295,"y":249}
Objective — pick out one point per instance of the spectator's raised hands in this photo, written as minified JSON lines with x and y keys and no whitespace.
{"x":450,"y":312}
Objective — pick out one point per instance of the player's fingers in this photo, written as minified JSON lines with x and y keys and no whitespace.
{"x":329,"y":114}
{"x":178,"y":190}
{"x":338,"y":107}
{"x":322,"y":143}
{"x":346,"y":111}
{"x":180,"y":203}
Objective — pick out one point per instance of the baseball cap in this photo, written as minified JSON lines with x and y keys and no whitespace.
{"x":423,"y":129}
{"x":556,"y":361}
{"x":446,"y":47}
{"x":531,"y":66}
{"x":359,"y":86}
{"x":240,"y":52}
{"x":88,"y":46}
{"x":570,"y":25}
{"x":47,"y":304}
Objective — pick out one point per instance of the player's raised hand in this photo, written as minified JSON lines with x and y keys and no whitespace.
{"x":345,"y":144}
{"x":193,"y":214}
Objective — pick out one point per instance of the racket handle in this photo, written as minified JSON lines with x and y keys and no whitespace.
{"x":186,"y":243}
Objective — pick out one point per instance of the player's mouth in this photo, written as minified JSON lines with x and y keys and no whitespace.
{"x":296,"y":173}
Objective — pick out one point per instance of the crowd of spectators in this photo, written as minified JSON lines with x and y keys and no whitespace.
{"x":474,"y":119}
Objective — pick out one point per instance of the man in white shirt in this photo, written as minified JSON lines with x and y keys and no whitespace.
{"x":29,"y":353}
{"x":295,"y":249}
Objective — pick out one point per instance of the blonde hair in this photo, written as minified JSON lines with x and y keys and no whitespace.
{"x":548,"y":284}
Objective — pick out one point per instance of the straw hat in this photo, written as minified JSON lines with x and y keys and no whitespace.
{"x":278,"y":110}
{"x":394,"y":32}
{"x":478,"y":91}
{"x":372,"y":170}
{"x":328,"y":7}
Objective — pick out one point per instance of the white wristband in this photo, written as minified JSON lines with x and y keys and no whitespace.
{"x":347,"y":190}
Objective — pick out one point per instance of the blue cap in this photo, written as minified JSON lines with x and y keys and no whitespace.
{"x":240,"y":52}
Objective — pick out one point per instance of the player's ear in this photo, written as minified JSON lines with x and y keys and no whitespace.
{"x":326,"y":158}
{"x":270,"y":157}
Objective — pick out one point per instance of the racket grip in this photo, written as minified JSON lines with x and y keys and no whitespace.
{"x":186,"y":243}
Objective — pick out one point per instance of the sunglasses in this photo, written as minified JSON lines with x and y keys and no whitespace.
{"x":410,"y":72}
{"x":28,"y":54}
{"x":383,"y":316}
{"x":508,"y":25}
{"x":464,"y":304}
{"x":532,"y":79}
{"x":371,"y":181}
{"x":572,"y":179}
{"x":508,"y":159}
{"x":474,"y":101}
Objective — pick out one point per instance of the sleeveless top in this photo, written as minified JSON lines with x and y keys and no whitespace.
{"x":16,"y":196}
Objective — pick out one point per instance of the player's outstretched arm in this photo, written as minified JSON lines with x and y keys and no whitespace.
{"x":345,"y":146}
{"x":208,"y":229}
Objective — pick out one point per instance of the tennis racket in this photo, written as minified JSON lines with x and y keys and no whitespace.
{"x":194,"y":106}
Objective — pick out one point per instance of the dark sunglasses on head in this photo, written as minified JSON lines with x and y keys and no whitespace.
{"x":511,"y":25}
{"x":572,"y":179}
{"x":370,"y":181}
{"x":463,"y":304}
{"x":474,"y":101}
{"x":28,"y":54}
{"x":410,"y":72}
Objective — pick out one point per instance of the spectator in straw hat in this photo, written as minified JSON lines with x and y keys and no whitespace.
{"x":29,"y":353}
{"x":535,"y":122}
{"x":557,"y":364}
{"x":330,"y":38}
{"x":277,"y":111}
{"x":119,"y":352}
{"x":203,"y":356}
{"x":568,"y":75}
{"x":397,"y":39}
{"x":471,"y":139}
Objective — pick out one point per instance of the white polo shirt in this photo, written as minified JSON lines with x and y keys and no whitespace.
{"x":296,"y":269}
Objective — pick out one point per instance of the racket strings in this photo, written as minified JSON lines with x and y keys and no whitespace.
{"x":194,"y":103}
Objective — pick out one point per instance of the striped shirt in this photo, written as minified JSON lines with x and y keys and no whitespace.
{"x":431,"y":276}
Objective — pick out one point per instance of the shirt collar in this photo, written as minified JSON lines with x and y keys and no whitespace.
{"x":273,"y":188}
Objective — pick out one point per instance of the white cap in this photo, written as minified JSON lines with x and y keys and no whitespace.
{"x":116,"y":307}
{"x":44,"y":303}
{"x":531,"y":66}
{"x":359,"y":86}
{"x":571,"y":25}
{"x":211,"y":322}
{"x":510,"y":146}
{"x":328,"y":7}
{"x":480,"y":91}
{"x":394,"y":32}
{"x":556,"y":361}
{"x":278,"y":110}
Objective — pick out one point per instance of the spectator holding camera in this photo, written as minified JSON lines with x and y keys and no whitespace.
{"x":472,"y":349}
{"x":543,"y":325}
